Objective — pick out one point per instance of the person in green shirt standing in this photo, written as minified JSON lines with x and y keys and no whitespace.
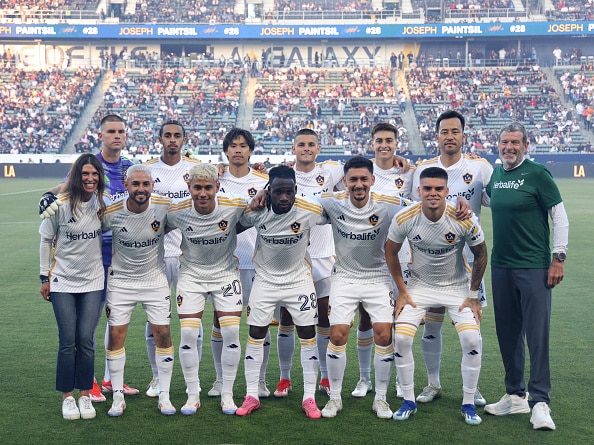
{"x":523,"y":198}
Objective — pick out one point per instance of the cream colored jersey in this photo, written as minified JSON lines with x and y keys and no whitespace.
{"x":172,"y":181}
{"x":360,"y":235}
{"x":393,"y":181}
{"x":247,"y":186}
{"x":438,"y":260}
{"x":280,"y":258}
{"x":208,"y":241}
{"x":75,"y":265}
{"x":322,"y":179}
{"x":138,"y":250}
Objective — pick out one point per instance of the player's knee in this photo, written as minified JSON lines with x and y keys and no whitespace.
{"x":306,"y":332}
{"x":258,"y":332}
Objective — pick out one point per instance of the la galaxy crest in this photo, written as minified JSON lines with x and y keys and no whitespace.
{"x":373,"y":220}
{"x":399,"y":182}
{"x":320,"y":180}
{"x":223,"y":225}
{"x":156,"y":225}
{"x":467,"y":177}
{"x":296,"y":227}
{"x":450,"y":238}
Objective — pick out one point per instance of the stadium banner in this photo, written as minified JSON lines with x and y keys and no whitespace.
{"x":263,"y":32}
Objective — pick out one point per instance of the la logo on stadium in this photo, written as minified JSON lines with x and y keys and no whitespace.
{"x":295,"y":227}
{"x":252,"y":192}
{"x":467,"y":178}
{"x":155,"y":225}
{"x":399,"y":182}
{"x":450,"y":237}
{"x":373,"y":220}
{"x":179,"y":300}
{"x":223,"y":225}
{"x":320,"y":180}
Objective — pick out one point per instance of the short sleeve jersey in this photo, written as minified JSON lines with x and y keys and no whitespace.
{"x":138,"y":251}
{"x":438,"y":260}
{"x":280,"y":257}
{"x":76,"y":262}
{"x":360,"y":235}
{"x":246,"y":186}
{"x":393,"y":182}
{"x":208,"y":241}
{"x":520,"y":200}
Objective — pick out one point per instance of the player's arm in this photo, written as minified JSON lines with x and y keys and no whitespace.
{"x":258,"y":202}
{"x":560,"y":224}
{"x":478,"y":271}
{"x":391,"y":251}
{"x":463,"y":208}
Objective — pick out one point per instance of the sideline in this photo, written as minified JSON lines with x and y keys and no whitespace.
{"x":22,"y":192}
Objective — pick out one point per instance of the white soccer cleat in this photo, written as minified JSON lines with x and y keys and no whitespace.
{"x":166,"y":407}
{"x":191,"y":406}
{"x":382,"y":409}
{"x":362,"y":388}
{"x":263,"y":391}
{"x":153,"y":388}
{"x":216,"y":389}
{"x":227,"y":404}
{"x":479,"y":400}
{"x":117,"y":407}
{"x":332,"y":408}
{"x":429,"y":393}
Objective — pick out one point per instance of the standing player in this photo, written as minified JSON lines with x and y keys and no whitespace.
{"x":283,"y":277}
{"x":207,"y":222}
{"x":170,"y":171}
{"x":137,"y":275}
{"x":438,"y":275}
{"x":467,"y":177}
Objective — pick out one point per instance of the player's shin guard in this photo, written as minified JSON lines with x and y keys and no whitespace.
{"x":322,"y":339}
{"x":265,"y":357}
{"x":383,"y":361}
{"x":286,"y":349}
{"x":405,"y":363}
{"x":336,"y":361}
{"x":254,"y":352}
{"x":116,"y":361}
{"x":431,"y":345}
{"x":190,"y":363}
{"x":231,"y":351}
{"x":150,"y":348}
{"x":310,"y":364}
{"x":216,"y":345}
{"x":471,"y":358}
{"x":164,"y":358}
{"x":364,"y":350}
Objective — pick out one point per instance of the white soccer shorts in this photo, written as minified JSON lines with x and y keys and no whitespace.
{"x":120,"y":303}
{"x":191,"y":296}
{"x":377,"y":299}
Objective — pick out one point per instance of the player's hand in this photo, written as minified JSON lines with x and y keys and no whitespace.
{"x":222,"y":167}
{"x":474,"y":304}
{"x":402,"y":163}
{"x":258,"y":202}
{"x":259,"y":167}
{"x":556,"y":273}
{"x":48,"y":205}
{"x":188,"y":153}
{"x":473,"y":156}
{"x":45,"y":291}
{"x":403,"y":299}
{"x":463,"y":209}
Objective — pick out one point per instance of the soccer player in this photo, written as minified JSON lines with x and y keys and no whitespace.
{"x":240,"y":179}
{"x":523,"y":198}
{"x":360,"y":221}
{"x":207,"y":223}
{"x":283,"y":277}
{"x":170,"y":171}
{"x":438,"y":278}
{"x":467,"y":177}
{"x":137,"y":275}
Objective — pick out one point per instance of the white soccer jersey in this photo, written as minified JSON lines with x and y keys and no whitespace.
{"x":393,"y":181}
{"x":280,"y":257}
{"x":171,"y":181}
{"x":208,"y":241}
{"x":76,"y":261}
{"x":323,"y":178}
{"x":438,"y":260}
{"x":138,"y":250}
{"x":360,"y":235}
{"x":467,"y":178}
{"x":246,"y":186}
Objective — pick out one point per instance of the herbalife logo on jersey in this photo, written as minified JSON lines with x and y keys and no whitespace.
{"x":365,"y":236}
{"x":515,"y":184}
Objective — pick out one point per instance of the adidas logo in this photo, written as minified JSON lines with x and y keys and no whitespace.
{"x":222,"y":190}
{"x":334,"y":356}
{"x":124,"y":230}
{"x":341,"y":218}
{"x":262,"y":227}
{"x":239,"y":303}
{"x":168,"y":359}
{"x":387,"y":360}
{"x":417,"y":238}
{"x":71,"y":220}
{"x":157,"y":180}
{"x":474,"y":352}
{"x":249,"y":357}
{"x":313,"y":357}
{"x":189,"y":229}
{"x":233,"y":346}
{"x":397,"y":355}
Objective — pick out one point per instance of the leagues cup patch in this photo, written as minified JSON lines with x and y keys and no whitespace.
{"x":373,"y":220}
{"x":156,"y":225}
{"x":223,"y":225}
{"x":179,"y":300}
{"x":107,"y":311}
{"x":295,"y":227}
{"x":450,"y":237}
{"x":467,"y":178}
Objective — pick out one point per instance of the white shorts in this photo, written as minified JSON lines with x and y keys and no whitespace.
{"x":172,"y":270}
{"x":321,"y":268}
{"x":301,"y":302}
{"x":247,"y":280}
{"x":377,"y":299}
{"x":425,"y":298}
{"x":191,"y":296}
{"x":323,"y":287}
{"x":120,"y":303}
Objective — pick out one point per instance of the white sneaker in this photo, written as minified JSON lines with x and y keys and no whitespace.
{"x":153,"y":388}
{"x":382,"y":409}
{"x":216,"y":389}
{"x":263,"y":391}
{"x":191,"y":406}
{"x":541,"y":417}
{"x":362,"y":388}
{"x":509,"y":404}
{"x":165,"y":406}
{"x":85,"y":406}
{"x":332,"y":408}
{"x":479,"y":400}
{"x":227,"y":404}
{"x":429,"y":393}
{"x":399,"y":391}
{"x":69,"y":409}
{"x":117,"y":407}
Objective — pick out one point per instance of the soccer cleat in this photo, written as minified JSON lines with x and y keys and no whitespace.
{"x":362,"y":388}
{"x":85,"y":406}
{"x":470,"y":415}
{"x":153,"y":388}
{"x":263,"y":391}
{"x":249,"y":405}
{"x":325,"y":386}
{"x":69,"y":409}
{"x":311,"y":409}
{"x":541,"y":417}
{"x":399,"y":391}
{"x":128,"y":390}
{"x":479,"y":400}
{"x":407,"y":409}
{"x":509,"y":404}
{"x":227,"y":404}
{"x":167,"y":409}
{"x":382,"y":409}
{"x":332,"y":408}
{"x":117,"y":407}
{"x":216,"y":389}
{"x":283,"y":389}
{"x":95,"y":393}
{"x":191,"y":406}
{"x":429,"y":393}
